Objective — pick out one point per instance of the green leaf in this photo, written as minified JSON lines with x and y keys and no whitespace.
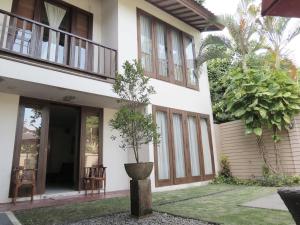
{"x":248,"y":130}
{"x":249,"y":120}
{"x":240,"y":112}
{"x":257,"y":131}
{"x":286,"y":118}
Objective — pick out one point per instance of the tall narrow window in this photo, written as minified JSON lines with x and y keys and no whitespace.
{"x":178,"y":146}
{"x":92,"y":140}
{"x":177,"y":55}
{"x":163,"y":146}
{"x":193,"y":146}
{"x":189,"y":58}
{"x":162,"y":54}
{"x":206,"y":147}
{"x":31,"y":138}
{"x":146,"y":43}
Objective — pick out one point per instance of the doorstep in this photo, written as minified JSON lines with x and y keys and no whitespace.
{"x":58,"y":199}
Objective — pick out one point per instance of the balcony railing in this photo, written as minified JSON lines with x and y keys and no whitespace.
{"x":22,"y":36}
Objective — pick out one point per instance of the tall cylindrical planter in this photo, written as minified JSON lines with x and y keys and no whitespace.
{"x":140,"y":188}
{"x":291,"y":198}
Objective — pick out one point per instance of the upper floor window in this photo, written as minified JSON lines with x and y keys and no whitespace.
{"x":165,"y":52}
{"x":146,"y":43}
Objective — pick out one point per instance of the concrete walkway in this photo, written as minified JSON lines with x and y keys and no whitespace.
{"x":269,"y":202}
{"x":8,"y":218}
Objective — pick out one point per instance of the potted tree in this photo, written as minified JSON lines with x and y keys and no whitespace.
{"x":136,"y":128}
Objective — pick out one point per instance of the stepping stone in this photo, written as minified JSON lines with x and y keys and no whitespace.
{"x":269,"y":202}
{"x":4,"y":220}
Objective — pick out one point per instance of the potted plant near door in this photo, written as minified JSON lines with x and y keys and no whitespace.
{"x":136,"y":129}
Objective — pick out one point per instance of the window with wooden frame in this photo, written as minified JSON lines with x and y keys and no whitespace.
{"x":185,"y":152}
{"x":189,"y":53}
{"x":165,"y":52}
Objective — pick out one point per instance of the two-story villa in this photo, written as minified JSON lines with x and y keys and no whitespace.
{"x":57,"y":65}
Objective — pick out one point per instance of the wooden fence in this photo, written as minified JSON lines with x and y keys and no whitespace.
{"x":243,"y":152}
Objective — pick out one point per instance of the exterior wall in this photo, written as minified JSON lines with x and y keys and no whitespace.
{"x":113,"y":157}
{"x":294,"y":136}
{"x":168,"y":95}
{"x":8,"y":120}
{"x":243,"y":152}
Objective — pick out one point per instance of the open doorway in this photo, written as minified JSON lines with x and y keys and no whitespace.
{"x":63,"y":149}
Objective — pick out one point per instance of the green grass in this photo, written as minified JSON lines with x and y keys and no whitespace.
{"x":217,"y":203}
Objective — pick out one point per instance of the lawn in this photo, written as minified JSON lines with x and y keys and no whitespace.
{"x":216,"y":203}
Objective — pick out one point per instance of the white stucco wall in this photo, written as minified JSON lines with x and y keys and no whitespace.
{"x":168,"y":95}
{"x":113,"y":157}
{"x":8,"y":120}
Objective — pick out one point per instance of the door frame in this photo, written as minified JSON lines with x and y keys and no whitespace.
{"x":89,"y":111}
{"x":42,"y":155}
{"x":42,"y":158}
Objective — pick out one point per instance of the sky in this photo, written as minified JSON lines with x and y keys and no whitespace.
{"x":221,"y":7}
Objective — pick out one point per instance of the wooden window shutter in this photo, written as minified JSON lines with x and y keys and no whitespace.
{"x":82,"y":23}
{"x":24,"y":8}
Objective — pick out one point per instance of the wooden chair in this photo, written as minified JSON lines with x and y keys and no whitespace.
{"x":23,"y":177}
{"x":94,"y":176}
{"x":99,"y":178}
{"x":88,"y":179}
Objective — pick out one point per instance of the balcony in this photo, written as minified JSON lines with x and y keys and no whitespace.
{"x":36,"y":41}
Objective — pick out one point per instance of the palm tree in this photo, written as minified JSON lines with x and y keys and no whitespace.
{"x":278,"y":35}
{"x":243,"y":41}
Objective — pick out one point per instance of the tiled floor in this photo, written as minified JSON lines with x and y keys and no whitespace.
{"x":55,"y":201}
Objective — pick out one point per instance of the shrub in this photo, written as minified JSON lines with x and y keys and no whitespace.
{"x":225,"y":167}
{"x":268,"y":180}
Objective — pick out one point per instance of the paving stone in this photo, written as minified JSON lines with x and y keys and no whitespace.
{"x":269,"y":202}
{"x":4,"y":220}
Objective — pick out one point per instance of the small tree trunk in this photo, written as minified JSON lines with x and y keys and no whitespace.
{"x":277,"y":61}
{"x":276,"y":149}
{"x":244,"y":65}
{"x":262,"y":152}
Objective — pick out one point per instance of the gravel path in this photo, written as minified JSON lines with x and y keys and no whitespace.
{"x":126,"y":219}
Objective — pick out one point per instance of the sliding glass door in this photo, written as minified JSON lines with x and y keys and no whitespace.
{"x":184,"y":153}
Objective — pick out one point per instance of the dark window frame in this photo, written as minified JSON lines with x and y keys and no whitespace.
{"x":172,"y":162}
{"x":171,"y":76}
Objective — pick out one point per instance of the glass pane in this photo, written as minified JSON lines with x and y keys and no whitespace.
{"x":79,"y":55}
{"x":189,"y":55}
{"x":146,"y":43}
{"x":193,"y":144}
{"x":92,"y":141}
{"x":179,"y":146}
{"x":31,"y":138}
{"x":162,"y":55}
{"x":18,"y":40}
{"x":206,"y":147}
{"x":177,"y":55}
{"x":163,"y":146}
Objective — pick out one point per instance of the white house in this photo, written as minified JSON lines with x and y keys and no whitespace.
{"x":57,"y":65}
